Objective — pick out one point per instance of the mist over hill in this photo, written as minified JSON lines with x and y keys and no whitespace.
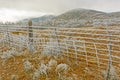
{"x":78,"y":18}
{"x":40,"y":19}
{"x":81,"y":14}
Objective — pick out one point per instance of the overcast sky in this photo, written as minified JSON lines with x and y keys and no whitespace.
{"x":27,"y":8}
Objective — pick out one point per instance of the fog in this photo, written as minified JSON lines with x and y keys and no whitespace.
{"x":27,"y":8}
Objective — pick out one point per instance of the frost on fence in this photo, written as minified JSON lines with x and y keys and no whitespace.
{"x":89,"y":48}
{"x":53,"y":46}
{"x":19,"y":42}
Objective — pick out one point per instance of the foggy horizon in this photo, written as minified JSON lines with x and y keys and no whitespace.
{"x":13,"y":10}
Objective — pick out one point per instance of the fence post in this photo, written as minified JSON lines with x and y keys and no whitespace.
{"x":86,"y":54}
{"x":97,"y":56}
{"x":76,"y":54}
{"x":66,"y":45}
{"x":30,"y":36}
{"x":110,"y":53}
{"x":8,"y":37}
{"x":57,"y":39}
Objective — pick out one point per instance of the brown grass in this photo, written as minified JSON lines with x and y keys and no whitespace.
{"x":79,"y":68}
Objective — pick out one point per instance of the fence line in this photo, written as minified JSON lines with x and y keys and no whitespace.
{"x":93,"y":47}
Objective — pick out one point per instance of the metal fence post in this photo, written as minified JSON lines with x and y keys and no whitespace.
{"x":110,"y":53}
{"x":8,"y":38}
{"x":57,"y":39}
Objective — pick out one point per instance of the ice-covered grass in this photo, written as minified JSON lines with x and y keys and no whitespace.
{"x":80,"y":54}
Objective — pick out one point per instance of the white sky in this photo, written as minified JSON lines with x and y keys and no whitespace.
{"x":13,"y":15}
{"x":12,"y":10}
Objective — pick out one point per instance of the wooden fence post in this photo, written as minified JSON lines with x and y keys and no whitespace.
{"x":30,"y":35}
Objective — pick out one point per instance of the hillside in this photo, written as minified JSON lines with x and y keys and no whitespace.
{"x":78,"y":18}
{"x":39,"y":19}
{"x":114,"y":15}
{"x":82,"y":14}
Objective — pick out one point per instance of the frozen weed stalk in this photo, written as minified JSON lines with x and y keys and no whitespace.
{"x":41,"y":70}
{"x":52,"y":63}
{"x":61,"y":68}
{"x":7,"y":55}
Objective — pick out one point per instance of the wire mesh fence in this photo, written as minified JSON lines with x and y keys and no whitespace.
{"x":95,"y":49}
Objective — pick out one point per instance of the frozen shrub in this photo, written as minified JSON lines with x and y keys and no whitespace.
{"x":61,"y":67}
{"x":31,"y":47}
{"x":28,"y":66}
{"x":14,"y":52}
{"x":19,"y":41}
{"x":10,"y":54}
{"x":6,"y":55}
{"x":42,"y":69}
{"x":51,"y":48}
{"x":36,"y":74}
{"x":5,"y":37}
